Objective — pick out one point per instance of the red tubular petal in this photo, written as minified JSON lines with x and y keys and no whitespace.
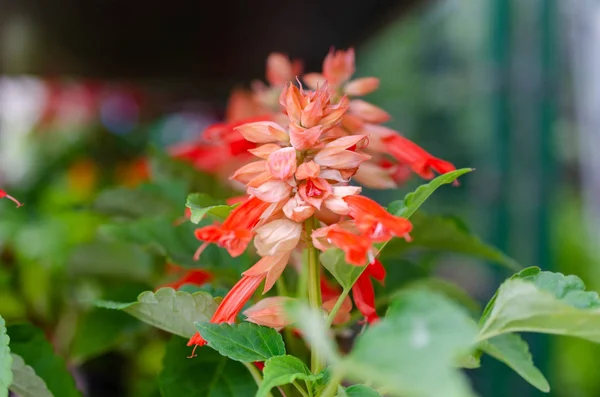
{"x":364,"y":297}
{"x":376,"y":270}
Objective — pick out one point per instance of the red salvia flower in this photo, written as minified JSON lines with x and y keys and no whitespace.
{"x":236,"y":231}
{"x":419,"y":160}
{"x":195,"y":277}
{"x":232,"y":304}
{"x":375,"y":221}
{"x":363,"y":292}
{"x":3,"y":194}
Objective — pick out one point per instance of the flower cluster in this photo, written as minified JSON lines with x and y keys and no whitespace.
{"x":299,"y":193}
{"x":308,"y":145}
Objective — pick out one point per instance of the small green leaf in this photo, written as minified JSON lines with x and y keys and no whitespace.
{"x":245,"y":342}
{"x":412,"y":201}
{"x":6,"y":360}
{"x":543,"y":302}
{"x":344,"y":273}
{"x":167,"y":309}
{"x":26,"y":383}
{"x":444,"y":234}
{"x":512,"y":350}
{"x":201,"y":204}
{"x":282,"y":370}
{"x":31,"y":344}
{"x":208,"y":374}
{"x":361,"y":391}
{"x":413,"y":350}
{"x":312,"y":325}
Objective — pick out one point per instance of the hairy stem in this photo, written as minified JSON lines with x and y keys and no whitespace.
{"x":300,"y":389}
{"x":313,"y":270}
{"x":332,"y":386}
{"x":337,"y":306}
{"x":256,"y":375}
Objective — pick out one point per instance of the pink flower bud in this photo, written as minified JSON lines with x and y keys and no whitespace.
{"x":336,"y":154}
{"x":297,"y":209}
{"x":263,"y":132}
{"x":269,"y":312}
{"x":338,"y":66}
{"x":368,"y":112}
{"x":277,"y":237}
{"x":280,"y":70}
{"x":249,"y":171}
{"x":314,"y":80}
{"x":263,"y":151}
{"x":308,"y":170}
{"x":374,"y":177}
{"x":362,"y":86}
{"x":282,"y":163}
{"x":303,"y":139}
{"x":271,"y":191}
{"x":343,"y":314}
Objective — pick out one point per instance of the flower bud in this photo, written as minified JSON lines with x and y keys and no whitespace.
{"x":368,"y":112}
{"x":362,"y":86}
{"x":277,"y":237}
{"x":271,"y":191}
{"x":282,"y":163}
{"x":298,"y":210}
{"x":263,"y":132}
{"x":269,"y":312}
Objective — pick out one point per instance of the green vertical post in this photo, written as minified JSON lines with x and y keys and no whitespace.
{"x":495,"y":374}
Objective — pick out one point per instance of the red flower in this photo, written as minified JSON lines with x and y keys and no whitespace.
{"x":411,"y":154}
{"x":232,"y":304}
{"x":3,"y":194}
{"x":196,"y":277}
{"x":236,"y":231}
{"x":373,"y":220}
{"x":363,"y":293}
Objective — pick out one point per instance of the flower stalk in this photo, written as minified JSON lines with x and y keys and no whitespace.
{"x":313,"y":270}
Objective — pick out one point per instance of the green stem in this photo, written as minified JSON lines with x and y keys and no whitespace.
{"x":337,"y":306}
{"x":300,"y":389}
{"x":256,"y":375}
{"x":332,"y":386}
{"x":313,"y":270}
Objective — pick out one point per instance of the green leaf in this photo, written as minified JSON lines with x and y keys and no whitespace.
{"x":30,"y":343}
{"x":344,"y":273}
{"x":245,"y":342}
{"x":444,"y":234}
{"x":100,"y":330}
{"x":312,"y":326}
{"x":165,"y":169}
{"x":412,"y":201}
{"x":282,"y":370}
{"x":26,"y":383}
{"x":412,"y":351}
{"x":159,"y":236}
{"x":201,"y":204}
{"x":207,"y":375}
{"x":545,"y":303}
{"x":361,"y":391}
{"x":167,"y":309}
{"x":512,"y":350}
{"x":449,"y":289}
{"x":134,"y":202}
{"x":6,"y":360}
{"x":110,"y":259}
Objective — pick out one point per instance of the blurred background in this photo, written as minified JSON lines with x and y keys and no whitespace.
{"x":508,"y":87}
